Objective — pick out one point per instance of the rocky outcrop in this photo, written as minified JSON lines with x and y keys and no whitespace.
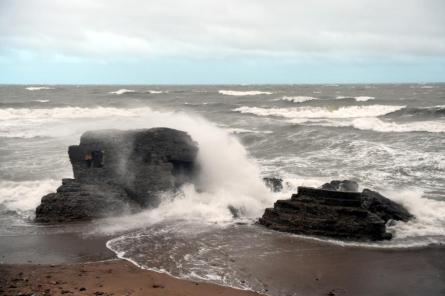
{"x":383,"y":207}
{"x":338,"y":214}
{"x":116,"y":172}
{"x":273,"y":183}
{"x":345,"y":185}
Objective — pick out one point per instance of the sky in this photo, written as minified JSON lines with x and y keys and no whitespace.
{"x":221,"y":41}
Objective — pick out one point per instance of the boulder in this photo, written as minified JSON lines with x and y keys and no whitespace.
{"x":345,"y":185}
{"x":117,"y":172}
{"x":274,"y":184}
{"x":383,"y":207}
{"x":338,"y":214}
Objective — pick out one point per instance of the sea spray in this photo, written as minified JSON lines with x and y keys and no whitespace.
{"x":321,"y":112}
{"x":25,"y":196}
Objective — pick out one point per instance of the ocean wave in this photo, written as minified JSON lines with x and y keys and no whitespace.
{"x":427,"y":228}
{"x":243,"y":93}
{"x":421,"y":112}
{"x":358,"y":99}
{"x":132,"y":91}
{"x":41,"y":101}
{"x":321,"y":112}
{"x":25,"y":196}
{"x":68,"y":113}
{"x":32,"y":88}
{"x":298,"y":99}
{"x":122,"y":91}
{"x":378,"y":125}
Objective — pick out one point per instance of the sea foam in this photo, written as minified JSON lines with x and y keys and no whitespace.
{"x":243,"y":93}
{"x":321,"y":112}
{"x":358,"y":98}
{"x":25,"y":196}
{"x":298,"y":99}
{"x":377,"y":125}
{"x":122,"y":91}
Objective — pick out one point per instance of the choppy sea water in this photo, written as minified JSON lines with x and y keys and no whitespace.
{"x":390,"y":138}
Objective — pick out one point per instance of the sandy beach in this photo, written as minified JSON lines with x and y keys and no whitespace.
{"x":72,"y":264}
{"x":112,"y":277}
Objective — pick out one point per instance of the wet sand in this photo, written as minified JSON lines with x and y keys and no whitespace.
{"x":53,"y":248}
{"x":58,"y":262}
{"x":112,"y":277}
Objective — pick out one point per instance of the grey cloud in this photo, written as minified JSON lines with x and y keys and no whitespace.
{"x":109,"y":28}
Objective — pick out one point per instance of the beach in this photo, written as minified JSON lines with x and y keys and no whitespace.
{"x":111,"y":277}
{"x":387,"y":138}
{"x":315,"y":268}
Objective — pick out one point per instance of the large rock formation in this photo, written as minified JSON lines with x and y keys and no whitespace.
{"x":339,"y":214}
{"x":120,"y":171}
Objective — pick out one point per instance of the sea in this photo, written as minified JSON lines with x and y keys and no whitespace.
{"x":387,"y":137}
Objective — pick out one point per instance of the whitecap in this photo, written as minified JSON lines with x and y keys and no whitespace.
{"x":321,"y":112}
{"x":298,"y":99}
{"x":378,"y":125}
{"x":358,"y":98}
{"x":122,"y":91}
{"x":25,"y":195}
{"x":243,"y":93}
{"x":32,"y":88}
{"x":154,"y":92}
{"x":47,"y":114}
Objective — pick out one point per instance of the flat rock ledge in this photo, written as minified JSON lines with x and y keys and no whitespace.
{"x":118,"y":172}
{"x":339,"y":214}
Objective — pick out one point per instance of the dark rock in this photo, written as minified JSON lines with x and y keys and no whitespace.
{"x":383,"y":207}
{"x":118,"y":172}
{"x":346,"y":215}
{"x":345,"y":185}
{"x":234,"y":211}
{"x":155,"y":286}
{"x":274,"y":184}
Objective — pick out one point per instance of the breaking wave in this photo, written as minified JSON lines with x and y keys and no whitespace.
{"x":132,"y":91}
{"x":322,"y":112}
{"x":378,"y":125}
{"x":122,"y":91}
{"x":298,"y":99}
{"x":25,"y":196}
{"x":243,"y":93}
{"x":41,"y":101}
{"x":68,"y":113}
{"x":358,"y":99}
{"x":32,"y":88}
{"x":421,"y":112}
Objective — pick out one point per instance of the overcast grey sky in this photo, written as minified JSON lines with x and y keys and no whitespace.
{"x":231,"y":41}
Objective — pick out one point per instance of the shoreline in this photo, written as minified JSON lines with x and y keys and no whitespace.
{"x":110,"y":277}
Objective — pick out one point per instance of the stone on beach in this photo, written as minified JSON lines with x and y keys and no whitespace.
{"x":338,"y":214}
{"x":118,"y":172}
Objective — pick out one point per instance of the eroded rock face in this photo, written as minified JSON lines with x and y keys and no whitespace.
{"x":121,"y":171}
{"x":338,"y":214}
